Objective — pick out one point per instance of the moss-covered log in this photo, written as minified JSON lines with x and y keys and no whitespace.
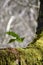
{"x":32,"y":55}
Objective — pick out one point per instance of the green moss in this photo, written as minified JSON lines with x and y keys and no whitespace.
{"x":32,"y":55}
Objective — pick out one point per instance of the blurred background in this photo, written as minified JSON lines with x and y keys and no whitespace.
{"x":40,"y":18}
{"x":9,"y":10}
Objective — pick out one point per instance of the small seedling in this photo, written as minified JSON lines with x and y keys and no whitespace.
{"x":18,"y":38}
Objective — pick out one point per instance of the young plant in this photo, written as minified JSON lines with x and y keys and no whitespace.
{"x":16,"y":36}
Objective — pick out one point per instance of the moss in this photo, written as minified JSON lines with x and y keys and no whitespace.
{"x":32,"y":55}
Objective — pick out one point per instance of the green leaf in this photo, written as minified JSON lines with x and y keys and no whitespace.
{"x":11,"y":40}
{"x":15,"y":35}
{"x":12,"y":34}
{"x":20,"y":39}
